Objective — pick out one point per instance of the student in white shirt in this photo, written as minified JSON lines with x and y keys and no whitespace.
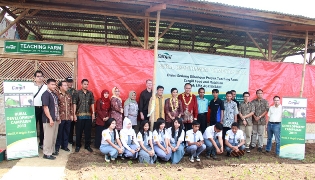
{"x":234,"y":141}
{"x":111,"y":145}
{"x":144,"y":137}
{"x":195,"y":143}
{"x":128,"y":138}
{"x":160,"y":141}
{"x":213,"y":140}
{"x":176,"y":136}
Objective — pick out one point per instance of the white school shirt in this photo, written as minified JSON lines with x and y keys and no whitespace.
{"x":190,"y":136}
{"x":275,"y":113}
{"x":140,"y":139}
{"x":158,"y":137}
{"x":238,"y":137}
{"x":38,"y":98}
{"x":169,"y":134}
{"x":124,"y":138}
{"x":210,"y":133}
{"x":106,"y":135}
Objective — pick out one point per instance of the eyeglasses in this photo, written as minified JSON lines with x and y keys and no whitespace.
{"x":39,"y":76}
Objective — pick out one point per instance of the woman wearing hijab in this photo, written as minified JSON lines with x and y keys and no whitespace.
{"x":116,"y":108}
{"x":131,"y":108}
{"x":173,"y":108}
{"x":129,"y":140}
{"x":102,"y":110}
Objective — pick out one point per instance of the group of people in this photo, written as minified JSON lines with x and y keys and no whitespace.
{"x":180,"y":122}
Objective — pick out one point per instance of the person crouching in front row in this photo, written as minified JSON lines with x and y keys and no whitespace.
{"x":195,"y":142}
{"x":128,"y":139}
{"x":146,"y":154}
{"x":160,"y":139}
{"x":111,"y":145}
{"x":234,"y":140}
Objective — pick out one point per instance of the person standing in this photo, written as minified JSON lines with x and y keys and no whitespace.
{"x":230,"y":113}
{"x":145,"y":97}
{"x":190,"y":106}
{"x":246,"y":111}
{"x":116,"y":108}
{"x":71,"y":91}
{"x":131,"y":109}
{"x":66,"y":116}
{"x":83,"y":103}
{"x":261,"y":109}
{"x":103,"y":113}
{"x":156,"y":110}
{"x":38,"y":89}
{"x":203,"y":105}
{"x":234,"y":98}
{"x":274,"y":124}
{"x":217,"y":108}
{"x":51,"y":120}
{"x":173,"y":108}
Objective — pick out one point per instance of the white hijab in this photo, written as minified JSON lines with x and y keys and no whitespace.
{"x":125,"y":129}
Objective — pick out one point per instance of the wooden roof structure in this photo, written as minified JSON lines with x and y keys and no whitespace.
{"x":186,"y":25}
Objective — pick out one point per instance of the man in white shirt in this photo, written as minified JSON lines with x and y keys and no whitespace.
{"x":194,"y":140}
{"x":274,"y":124}
{"x":38,"y":90}
{"x":213,"y":140}
{"x":234,"y":141}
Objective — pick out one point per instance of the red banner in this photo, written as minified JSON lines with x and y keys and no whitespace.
{"x":107,"y":67}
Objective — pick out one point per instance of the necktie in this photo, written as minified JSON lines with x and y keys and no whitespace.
{"x":162,"y":137}
{"x":234,"y":140}
{"x":112,"y":137}
{"x":129,"y":140}
{"x":194,"y":137}
{"x":145,"y":139}
{"x":175,"y":138}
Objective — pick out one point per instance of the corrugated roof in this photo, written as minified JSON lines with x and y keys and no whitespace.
{"x":248,"y":8}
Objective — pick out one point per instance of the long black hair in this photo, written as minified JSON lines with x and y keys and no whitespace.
{"x":108,"y":123}
{"x":159,"y":121}
{"x":142,"y":124}
{"x":180,"y":128}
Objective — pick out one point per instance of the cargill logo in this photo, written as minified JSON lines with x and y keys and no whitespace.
{"x":294,"y":102}
{"x":10,"y":47}
{"x":19,"y":87}
{"x":165,"y":56}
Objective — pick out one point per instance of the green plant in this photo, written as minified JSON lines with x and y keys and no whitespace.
{"x":94,"y":177}
{"x":129,"y":163}
{"x":109,"y":178}
{"x":138,"y":177}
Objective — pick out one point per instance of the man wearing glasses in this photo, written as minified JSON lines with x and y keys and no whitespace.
{"x":38,"y":89}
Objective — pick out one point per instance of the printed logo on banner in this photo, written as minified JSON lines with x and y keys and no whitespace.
{"x":165,"y":56}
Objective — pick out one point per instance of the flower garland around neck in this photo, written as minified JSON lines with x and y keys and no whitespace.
{"x":183,"y":95}
{"x":176,"y":104}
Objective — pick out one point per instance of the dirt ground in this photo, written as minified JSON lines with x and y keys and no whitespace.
{"x":5,"y":166}
{"x":255,"y":165}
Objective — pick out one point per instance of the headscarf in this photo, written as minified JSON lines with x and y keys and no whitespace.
{"x":125,"y":129}
{"x":106,"y":101}
{"x":129,"y":100}
{"x":114,"y":95}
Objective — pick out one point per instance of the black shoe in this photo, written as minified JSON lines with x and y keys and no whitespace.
{"x":55,"y":153}
{"x":70,"y":142}
{"x":265,"y":151}
{"x":77,"y":149}
{"x":89,"y":149}
{"x":50,"y":157}
{"x":251,"y":147}
{"x":66,"y":149}
{"x":40,"y":147}
{"x":228,"y":154}
{"x":259,"y":149}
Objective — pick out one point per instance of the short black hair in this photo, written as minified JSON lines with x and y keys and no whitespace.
{"x":201,"y":89}
{"x":38,"y":71}
{"x":276,"y":97}
{"x":173,"y":89}
{"x":233,"y":91}
{"x":259,"y":90}
{"x":235,"y":124}
{"x":215,"y":90}
{"x":187,"y":84}
{"x":194,"y":123}
{"x":218,"y":126}
{"x":50,"y":80}
{"x":159,"y":87}
{"x":246,"y":93}
{"x":84,"y":80}
{"x":229,"y":92}
{"x":60,"y":83}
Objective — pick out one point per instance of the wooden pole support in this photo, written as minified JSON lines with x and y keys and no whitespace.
{"x":257,"y":45}
{"x":304,"y":65}
{"x":15,"y":21}
{"x":131,"y":32}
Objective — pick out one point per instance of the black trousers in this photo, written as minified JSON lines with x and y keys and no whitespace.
{"x":202,"y":119}
{"x":86,"y":126}
{"x":70,"y":139}
{"x":145,"y":114}
{"x":63,"y":134}
{"x":225,"y":129}
{"x":39,"y":122}
{"x":98,"y":135}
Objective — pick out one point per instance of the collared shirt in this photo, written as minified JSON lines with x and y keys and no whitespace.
{"x":144,"y":100}
{"x":172,"y":139}
{"x":51,"y":100}
{"x":203,"y":105}
{"x":193,"y":137}
{"x":71,"y":91}
{"x":65,"y":105}
{"x":236,"y":138}
{"x":38,"y":98}
{"x":106,"y":134}
{"x":275,"y":113}
{"x":83,"y":102}
{"x":159,"y":137}
{"x":244,"y":109}
{"x":238,"y":103}
{"x":146,"y":139}
{"x":190,"y":106}
{"x":125,"y":137}
{"x":229,"y":113}
{"x":260,"y":107}
{"x":216,"y":107}
{"x":210,"y":133}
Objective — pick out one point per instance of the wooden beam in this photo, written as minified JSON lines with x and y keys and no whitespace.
{"x":257,"y":45}
{"x":294,"y":28}
{"x":270,"y":47}
{"x":311,"y":62}
{"x":304,"y":64}
{"x":34,"y":12}
{"x":162,"y":34}
{"x":146,"y":31}
{"x":15,"y":21}
{"x":131,"y":32}
{"x":2,"y":14}
{"x":276,"y":54}
{"x":157,"y":7}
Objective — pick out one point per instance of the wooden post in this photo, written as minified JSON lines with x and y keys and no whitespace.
{"x":131,"y":32}
{"x":270,"y":47}
{"x":257,"y":45}
{"x":304,"y":65}
{"x":164,"y":32}
{"x":2,"y":14}
{"x":245,"y":50}
{"x":15,"y":21}
{"x":157,"y":29}
{"x":105,"y":24}
{"x":193,"y":37}
{"x":146,"y":31}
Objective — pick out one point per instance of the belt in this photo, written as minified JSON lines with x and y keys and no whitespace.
{"x":274,"y":122}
